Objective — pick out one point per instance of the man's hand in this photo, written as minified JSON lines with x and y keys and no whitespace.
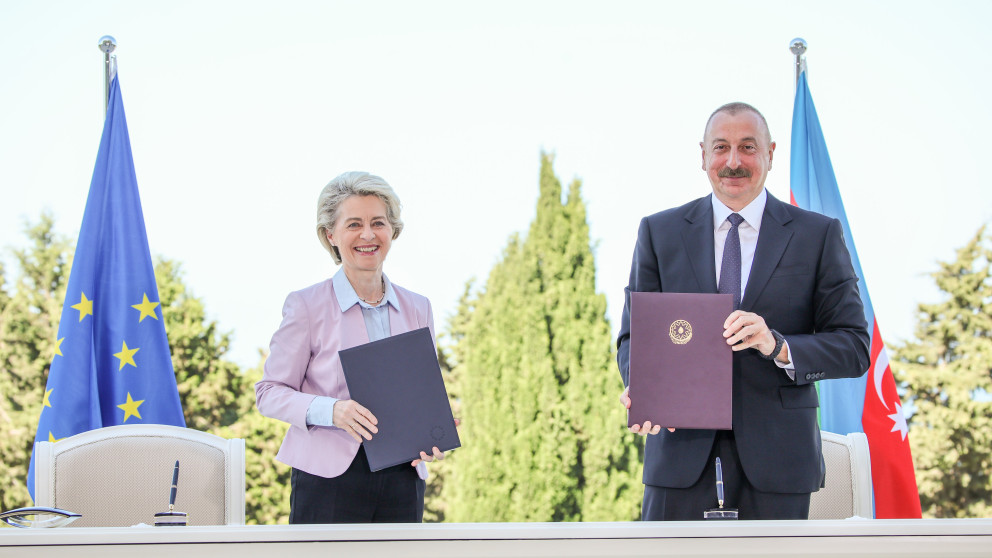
{"x":745,"y":330}
{"x":642,"y":429}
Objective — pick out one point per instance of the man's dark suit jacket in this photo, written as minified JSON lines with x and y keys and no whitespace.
{"x":803,"y":284}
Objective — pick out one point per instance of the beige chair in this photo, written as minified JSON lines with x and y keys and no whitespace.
{"x":122,"y":475}
{"x":848,"y":490}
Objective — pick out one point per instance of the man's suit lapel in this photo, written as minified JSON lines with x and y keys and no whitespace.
{"x":773,"y":238}
{"x":697,"y":236}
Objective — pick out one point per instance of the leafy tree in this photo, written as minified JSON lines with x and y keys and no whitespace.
{"x":947,"y":374}
{"x":213,"y":391}
{"x":544,"y":436}
{"x":267,"y":480}
{"x":28,"y":324}
{"x":216,"y":396}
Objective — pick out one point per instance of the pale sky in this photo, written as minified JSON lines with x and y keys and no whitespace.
{"x":240,"y":112}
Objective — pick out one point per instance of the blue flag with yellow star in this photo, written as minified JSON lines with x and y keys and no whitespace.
{"x":112,"y":363}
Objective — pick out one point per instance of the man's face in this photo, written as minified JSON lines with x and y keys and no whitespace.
{"x":737,"y":155}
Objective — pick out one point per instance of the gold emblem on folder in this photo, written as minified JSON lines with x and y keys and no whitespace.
{"x":680,"y":332}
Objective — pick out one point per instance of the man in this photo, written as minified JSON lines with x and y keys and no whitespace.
{"x":798,"y":318}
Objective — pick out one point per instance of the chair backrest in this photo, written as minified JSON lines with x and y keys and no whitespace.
{"x":847,"y":490}
{"x":122,"y":475}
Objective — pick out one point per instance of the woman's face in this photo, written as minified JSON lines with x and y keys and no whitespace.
{"x":362,"y":233}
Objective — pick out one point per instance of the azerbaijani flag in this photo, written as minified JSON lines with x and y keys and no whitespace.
{"x":868,"y":404}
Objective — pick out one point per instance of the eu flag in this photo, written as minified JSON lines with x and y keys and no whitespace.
{"x":112,"y":363}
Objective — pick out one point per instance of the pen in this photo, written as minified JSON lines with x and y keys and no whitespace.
{"x":719,"y":481}
{"x":175,"y":483}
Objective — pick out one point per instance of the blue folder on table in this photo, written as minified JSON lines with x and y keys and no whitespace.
{"x":399,"y":379}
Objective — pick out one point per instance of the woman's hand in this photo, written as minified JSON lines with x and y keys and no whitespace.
{"x":438,"y":454}
{"x":355,"y":419}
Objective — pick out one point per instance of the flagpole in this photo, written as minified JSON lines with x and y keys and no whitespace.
{"x":106,"y":45}
{"x":798,"y":47}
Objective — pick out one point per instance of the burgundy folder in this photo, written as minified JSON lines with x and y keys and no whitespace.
{"x":398,"y":378}
{"x":681,"y":370}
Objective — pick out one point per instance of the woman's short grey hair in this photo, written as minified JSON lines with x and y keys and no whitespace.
{"x":353,"y":184}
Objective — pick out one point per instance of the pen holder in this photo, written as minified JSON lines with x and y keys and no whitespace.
{"x":170,"y":519}
{"x":720,"y":513}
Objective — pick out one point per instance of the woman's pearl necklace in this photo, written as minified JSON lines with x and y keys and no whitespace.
{"x":382,"y":296}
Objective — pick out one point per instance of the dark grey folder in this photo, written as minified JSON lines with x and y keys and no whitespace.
{"x":398,"y":378}
{"x":681,"y":368}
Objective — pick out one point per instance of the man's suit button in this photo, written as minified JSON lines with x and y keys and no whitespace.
{"x":809,"y":376}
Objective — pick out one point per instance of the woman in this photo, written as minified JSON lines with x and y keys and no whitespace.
{"x":358,"y":217}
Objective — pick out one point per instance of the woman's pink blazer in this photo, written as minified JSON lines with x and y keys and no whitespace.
{"x":303,"y":362}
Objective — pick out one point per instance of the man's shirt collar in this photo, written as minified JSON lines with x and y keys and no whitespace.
{"x":751,"y":213}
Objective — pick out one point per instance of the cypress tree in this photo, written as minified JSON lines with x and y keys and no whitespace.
{"x":543,"y":433}
{"x":435,"y":506}
{"x":947,"y":374}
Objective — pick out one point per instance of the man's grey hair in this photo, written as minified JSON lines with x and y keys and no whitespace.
{"x":734,"y":108}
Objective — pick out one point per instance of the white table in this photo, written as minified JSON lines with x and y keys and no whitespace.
{"x":809,"y":539}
